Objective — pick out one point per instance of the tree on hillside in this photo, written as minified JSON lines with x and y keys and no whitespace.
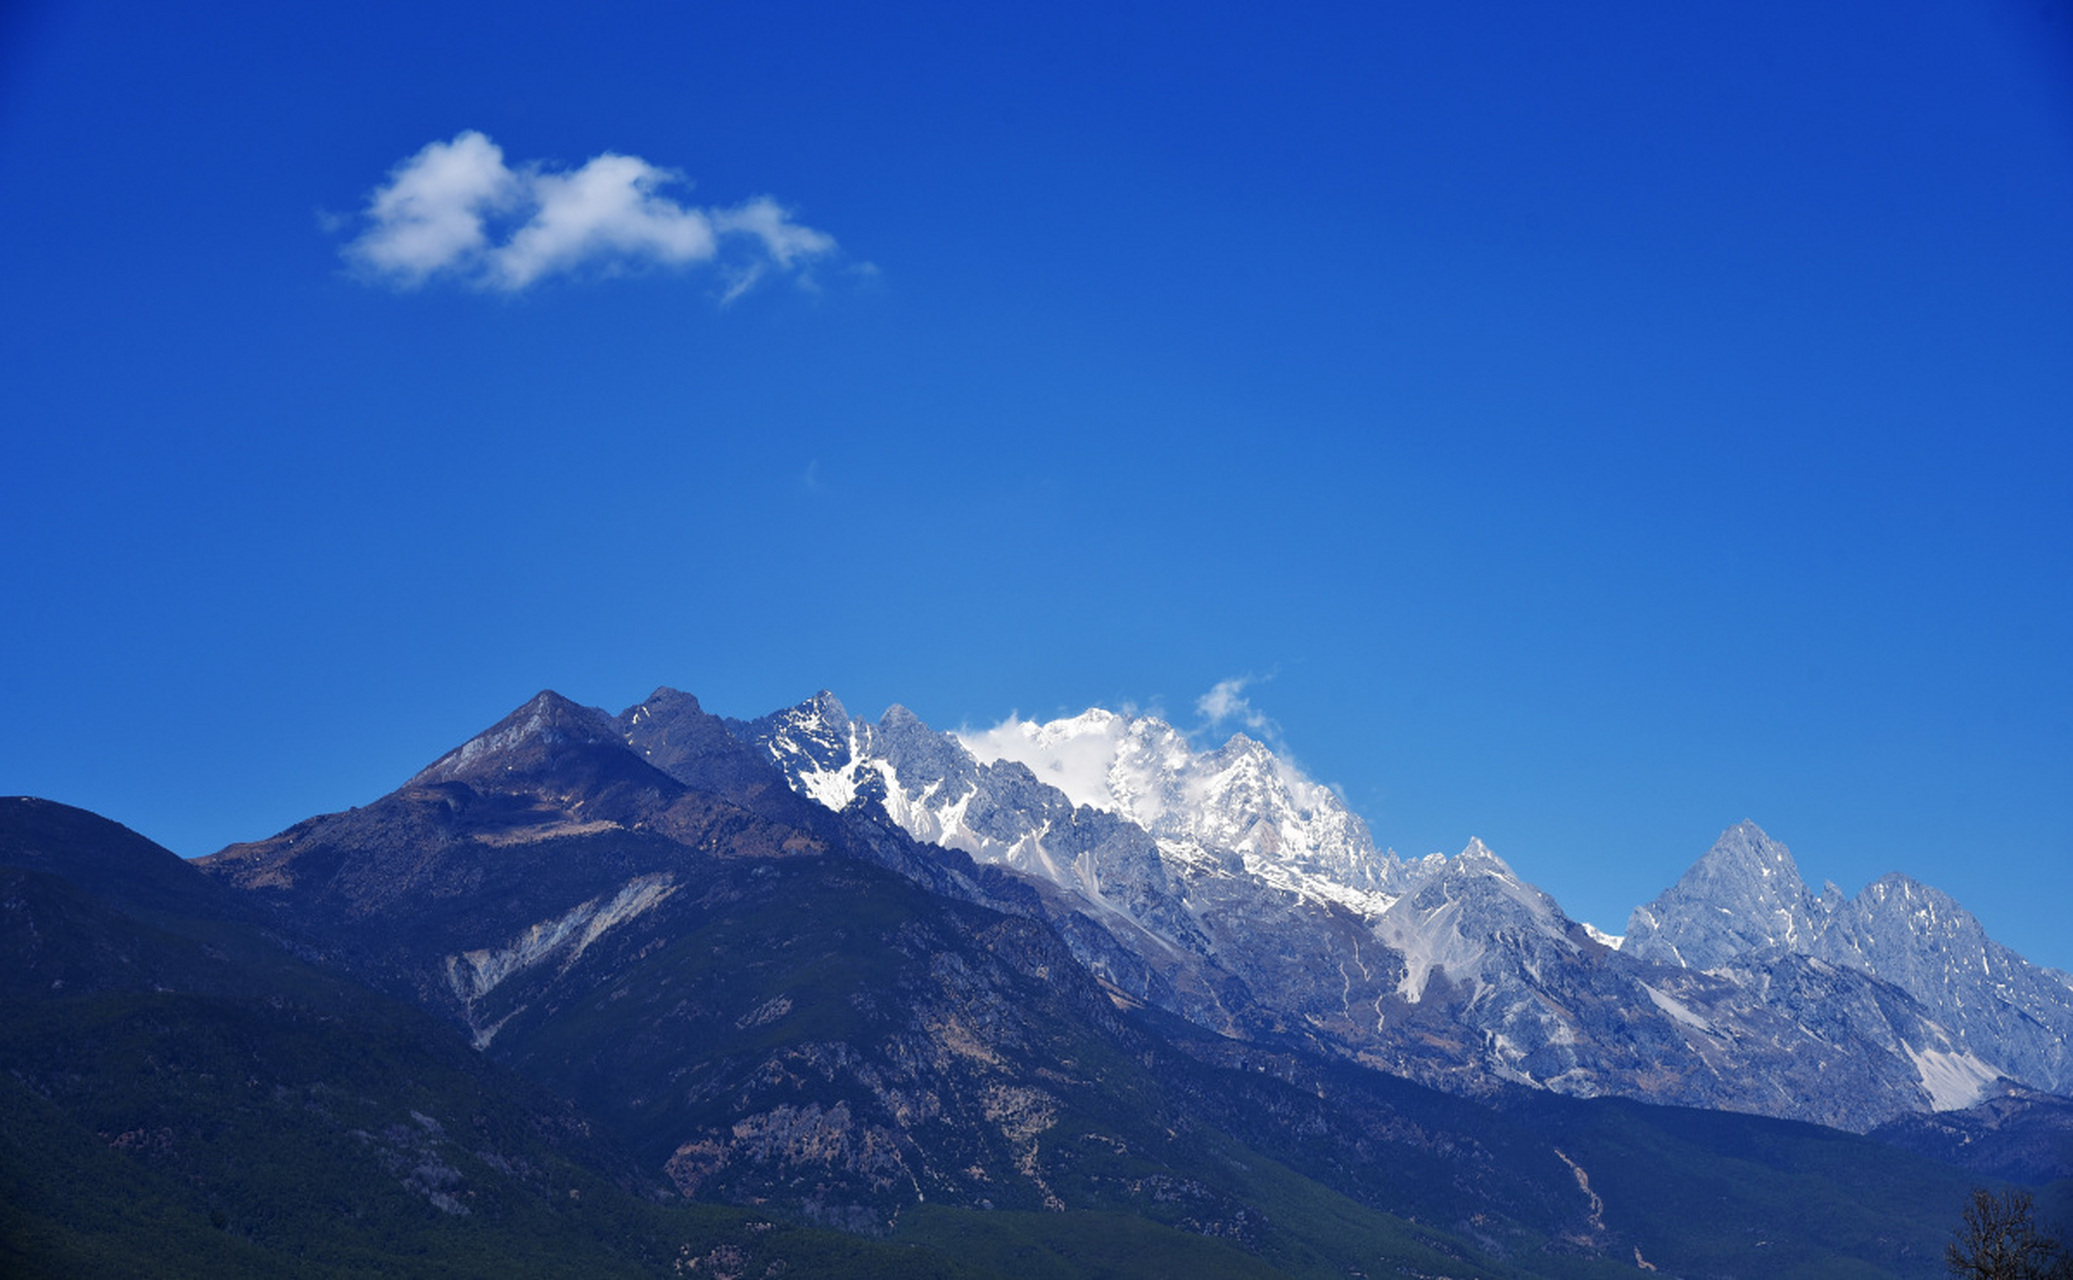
{"x":1999,"y":1240}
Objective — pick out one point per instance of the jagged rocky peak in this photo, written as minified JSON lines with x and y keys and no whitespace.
{"x":1901,"y":896}
{"x":923,"y":757}
{"x":896,"y":717}
{"x":547,"y":723}
{"x":1480,"y":857}
{"x":1477,"y":875}
{"x":667,"y":724}
{"x":1921,"y":939}
{"x":669,"y":720}
{"x":1744,"y":895}
{"x":814,"y":744}
{"x":1475,"y":859}
{"x":1256,"y":802}
{"x":663,"y":704}
{"x":673,"y":733}
{"x":1906,"y":931}
{"x":821,"y":719}
{"x":1473,"y":918}
{"x":826,"y":708}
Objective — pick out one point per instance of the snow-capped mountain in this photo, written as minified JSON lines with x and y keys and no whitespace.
{"x":1224,"y":885}
{"x":1238,"y":798}
{"x":1743,"y":907}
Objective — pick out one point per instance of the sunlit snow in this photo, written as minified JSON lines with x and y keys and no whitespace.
{"x":1603,"y":938}
{"x":1239,"y":797}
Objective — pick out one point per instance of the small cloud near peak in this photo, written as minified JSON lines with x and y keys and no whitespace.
{"x":1226,"y":702}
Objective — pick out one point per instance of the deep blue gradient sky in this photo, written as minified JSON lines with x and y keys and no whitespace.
{"x":1589,"y":425}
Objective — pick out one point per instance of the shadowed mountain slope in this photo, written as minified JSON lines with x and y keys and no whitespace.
{"x":179,"y":1095}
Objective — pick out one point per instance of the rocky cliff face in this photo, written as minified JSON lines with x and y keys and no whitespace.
{"x":1745,"y":895}
{"x":2014,"y":1014}
{"x":1743,"y":908}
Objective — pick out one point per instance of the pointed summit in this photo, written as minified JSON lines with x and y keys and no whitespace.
{"x":828,"y":707}
{"x":672,"y":732}
{"x":1744,"y":895}
{"x":897,"y":719}
{"x":664,"y":703}
{"x":547,"y":725}
{"x":1478,"y":871}
{"x":1478,"y":854}
{"x":814,"y":744}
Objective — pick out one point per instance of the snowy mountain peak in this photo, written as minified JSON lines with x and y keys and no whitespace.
{"x":1237,"y":798}
{"x":1097,"y":721}
{"x":815,"y":744}
{"x":1223,"y":884}
{"x":1478,"y":854}
{"x":1602,"y":938}
{"x":1238,"y":746}
{"x":1072,"y":754}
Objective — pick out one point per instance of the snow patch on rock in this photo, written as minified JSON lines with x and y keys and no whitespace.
{"x":1953,"y":1080}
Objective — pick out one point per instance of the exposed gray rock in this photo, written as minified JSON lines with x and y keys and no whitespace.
{"x":1224,"y":886}
{"x":1744,"y":907}
{"x":1744,"y":895}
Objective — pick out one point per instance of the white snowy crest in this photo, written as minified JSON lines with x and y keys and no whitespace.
{"x":1240,"y":797}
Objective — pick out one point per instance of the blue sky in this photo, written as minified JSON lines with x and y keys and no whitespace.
{"x":1588,"y":426}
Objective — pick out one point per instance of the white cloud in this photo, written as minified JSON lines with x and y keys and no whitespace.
{"x":1226,"y":700}
{"x":430,"y":215}
{"x":1104,"y":760}
{"x":1073,"y":755}
{"x":605,"y":211}
{"x":455,"y":209}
